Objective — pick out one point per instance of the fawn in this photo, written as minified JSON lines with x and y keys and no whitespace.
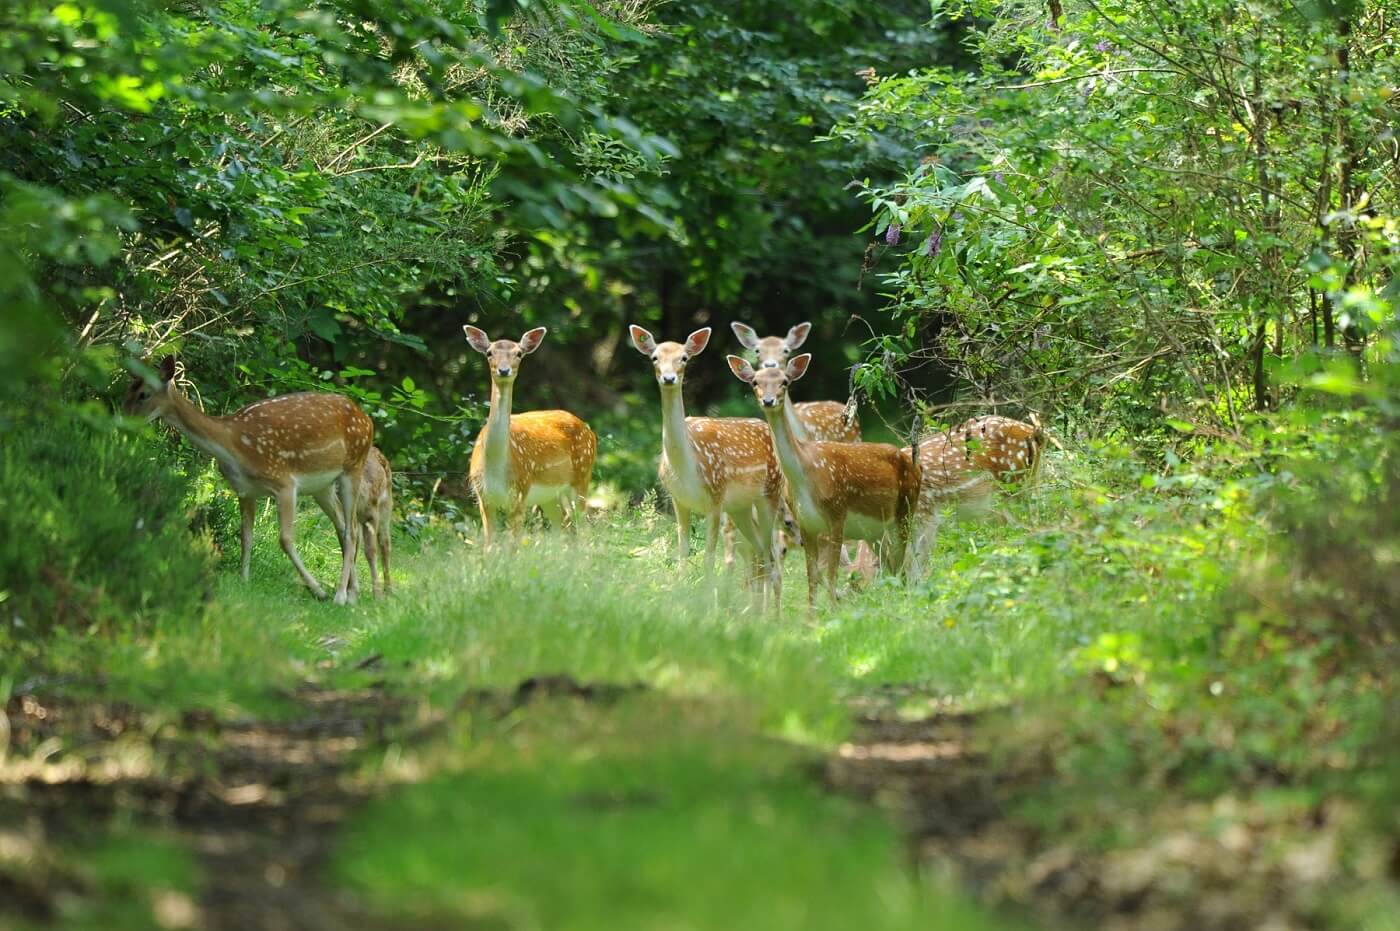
{"x":375,"y":511}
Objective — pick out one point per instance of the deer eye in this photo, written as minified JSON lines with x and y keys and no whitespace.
{"x":684,"y":358}
{"x":655,"y":357}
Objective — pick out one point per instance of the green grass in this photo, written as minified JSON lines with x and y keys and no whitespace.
{"x":651,"y":814}
{"x":691,"y":803}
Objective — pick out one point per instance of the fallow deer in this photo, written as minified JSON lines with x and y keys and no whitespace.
{"x":537,"y":459}
{"x":312,"y":442}
{"x":836,"y":491}
{"x":375,"y":511}
{"x":963,"y":466}
{"x":816,"y":420}
{"x":715,"y":466}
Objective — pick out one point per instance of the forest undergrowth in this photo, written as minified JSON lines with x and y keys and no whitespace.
{"x":1080,"y":716}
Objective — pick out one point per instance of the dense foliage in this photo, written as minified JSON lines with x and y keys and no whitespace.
{"x":94,"y":535}
{"x":1147,"y":210}
{"x":1171,"y":230}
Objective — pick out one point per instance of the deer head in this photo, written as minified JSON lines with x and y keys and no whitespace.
{"x":773,"y":351}
{"x":503,"y":355}
{"x":770,"y":383}
{"x":150,"y":397}
{"x":668,"y":360}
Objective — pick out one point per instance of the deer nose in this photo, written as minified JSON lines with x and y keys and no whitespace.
{"x":503,"y":371}
{"x":770,"y":402}
{"x":668,"y":379}
{"x":769,"y":364}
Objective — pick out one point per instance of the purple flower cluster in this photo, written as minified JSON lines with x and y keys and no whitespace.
{"x":892,"y":234}
{"x":932,"y":244}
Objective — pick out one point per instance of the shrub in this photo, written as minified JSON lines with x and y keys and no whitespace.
{"x":92,"y":533}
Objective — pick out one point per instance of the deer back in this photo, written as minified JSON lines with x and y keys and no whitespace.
{"x":826,"y":421}
{"x":300,"y":434}
{"x":1008,"y":449}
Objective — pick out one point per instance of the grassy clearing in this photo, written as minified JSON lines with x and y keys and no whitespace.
{"x":648,"y":814}
{"x":1100,"y":609}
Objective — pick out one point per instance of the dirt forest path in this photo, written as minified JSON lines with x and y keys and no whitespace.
{"x":259,"y":802}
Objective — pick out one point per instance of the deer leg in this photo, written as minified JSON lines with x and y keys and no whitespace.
{"x":370,"y":535}
{"x":488,"y":524}
{"x":925,"y":533}
{"x":248,"y":509}
{"x":711,"y":540}
{"x":286,"y":520}
{"x":682,"y":532}
{"x":349,"y":486}
{"x":726,"y":526}
{"x":812,"y":550}
{"x":384,"y":532}
{"x":329,"y":501}
{"x":515,"y":521}
{"x":765,"y":522}
{"x":833,"y":556}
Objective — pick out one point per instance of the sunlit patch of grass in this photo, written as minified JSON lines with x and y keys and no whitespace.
{"x":650,"y":813}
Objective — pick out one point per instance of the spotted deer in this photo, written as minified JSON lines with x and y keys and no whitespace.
{"x":312,"y":442}
{"x":816,"y":420}
{"x":964,"y":465}
{"x":836,"y":491}
{"x":714,"y":466}
{"x":538,"y":459}
{"x":375,"y":511}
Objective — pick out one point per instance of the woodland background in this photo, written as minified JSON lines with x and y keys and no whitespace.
{"x":1168,"y":228}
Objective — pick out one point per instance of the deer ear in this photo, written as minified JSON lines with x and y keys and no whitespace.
{"x":741,"y":369}
{"x":747,"y":337}
{"x":696,"y":342}
{"x":643,"y":340}
{"x":477,"y":339}
{"x":797,"y":367}
{"x":797,"y":336}
{"x":167,"y":370}
{"x":532,"y":339}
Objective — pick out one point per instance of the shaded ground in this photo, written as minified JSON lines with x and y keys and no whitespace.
{"x":256,"y":801}
{"x":964,"y":786}
{"x":257,"y":804}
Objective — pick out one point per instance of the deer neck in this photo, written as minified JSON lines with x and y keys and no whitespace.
{"x":794,"y":457}
{"x":675,"y":437}
{"x":498,"y":434}
{"x":212,"y":435}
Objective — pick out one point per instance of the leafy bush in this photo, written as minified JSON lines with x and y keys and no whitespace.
{"x":93,"y":530}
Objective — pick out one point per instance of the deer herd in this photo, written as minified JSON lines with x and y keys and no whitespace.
{"x":801,"y":474}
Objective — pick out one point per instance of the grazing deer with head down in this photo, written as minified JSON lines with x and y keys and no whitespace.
{"x":963,"y":466}
{"x":539,"y":458}
{"x":836,"y":491}
{"x":715,"y":466}
{"x":312,"y":442}
{"x":376,"y":514}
